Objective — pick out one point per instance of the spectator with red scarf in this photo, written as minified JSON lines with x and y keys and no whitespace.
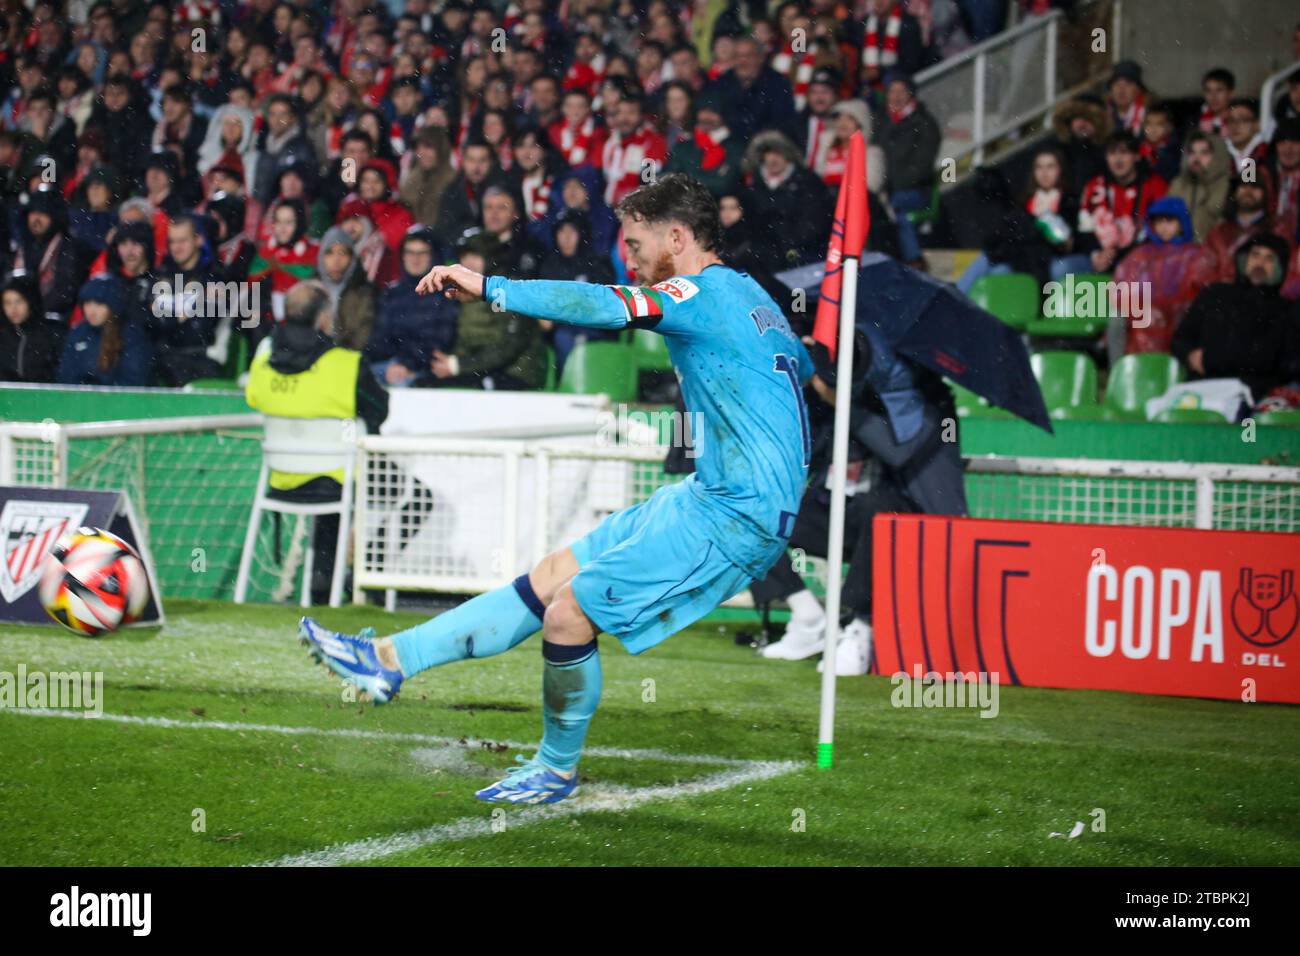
{"x":1246,"y":142}
{"x":579,"y":137}
{"x":287,"y":258}
{"x":891,"y":41}
{"x":1112,"y":209}
{"x":712,"y":155}
{"x":1217,"y":86}
{"x":634,"y":151}
{"x":1128,"y":97}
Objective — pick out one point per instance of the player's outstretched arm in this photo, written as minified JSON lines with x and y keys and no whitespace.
{"x":575,"y":303}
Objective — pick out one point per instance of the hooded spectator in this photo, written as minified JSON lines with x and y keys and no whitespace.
{"x":1244,"y":329}
{"x":575,"y":260}
{"x":230,"y":142}
{"x":579,"y":190}
{"x":122,"y":118}
{"x":106,"y":348}
{"x":1081,"y":126}
{"x":160,"y":181}
{"x":1248,"y":212}
{"x":29,"y":344}
{"x":351,"y":294}
{"x":47,"y":253}
{"x":379,"y":262}
{"x":410,"y":327}
{"x":130,"y":259}
{"x":94,"y":209}
{"x":848,"y":117}
{"x":788,"y":205}
{"x":287,"y":257}
{"x":1169,"y":263}
{"x":1205,"y":181}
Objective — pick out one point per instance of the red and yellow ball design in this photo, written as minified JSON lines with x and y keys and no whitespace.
{"x":93,"y":582}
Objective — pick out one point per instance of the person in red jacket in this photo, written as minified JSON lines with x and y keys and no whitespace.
{"x":376,"y":184}
{"x":1249,"y":213}
{"x":1113,"y":208}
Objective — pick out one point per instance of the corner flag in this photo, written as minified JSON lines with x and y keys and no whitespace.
{"x":836,"y":311}
{"x":848,"y":236}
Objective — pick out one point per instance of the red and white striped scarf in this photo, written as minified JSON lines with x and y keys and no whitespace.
{"x":800,"y":75}
{"x":537,"y":194}
{"x":882,"y":51}
{"x":817,"y":143}
{"x":1210,"y":121}
{"x":576,"y":144}
{"x":1133,"y":117}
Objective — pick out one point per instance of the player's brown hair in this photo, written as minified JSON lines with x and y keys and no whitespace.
{"x":676,"y":197}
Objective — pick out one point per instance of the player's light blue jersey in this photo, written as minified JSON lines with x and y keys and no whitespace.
{"x":742,"y":372}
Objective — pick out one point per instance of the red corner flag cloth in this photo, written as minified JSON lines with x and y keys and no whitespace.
{"x":848,"y":236}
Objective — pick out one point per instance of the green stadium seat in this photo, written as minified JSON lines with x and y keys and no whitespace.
{"x":1138,"y":377}
{"x":601,"y":368}
{"x":1070,"y":325}
{"x":1013,"y":297}
{"x":1067,"y":379}
{"x":1285,"y":417}
{"x":1190,"y":416}
{"x":970,"y":405}
{"x":1092,"y":413}
{"x":651,"y":351}
{"x":551,"y":377}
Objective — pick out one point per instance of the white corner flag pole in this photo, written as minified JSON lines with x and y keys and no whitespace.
{"x":835,"y":540}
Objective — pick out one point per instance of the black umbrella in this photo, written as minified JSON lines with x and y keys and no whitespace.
{"x":936,"y":326}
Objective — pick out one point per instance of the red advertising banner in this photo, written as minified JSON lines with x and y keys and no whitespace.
{"x":1148,"y":610}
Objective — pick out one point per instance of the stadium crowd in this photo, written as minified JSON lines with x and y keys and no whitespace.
{"x":146,"y":147}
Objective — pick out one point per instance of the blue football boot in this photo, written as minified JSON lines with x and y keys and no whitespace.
{"x":530,"y":782}
{"x":352,"y":658}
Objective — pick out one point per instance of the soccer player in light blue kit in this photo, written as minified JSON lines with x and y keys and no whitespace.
{"x":656,"y":567}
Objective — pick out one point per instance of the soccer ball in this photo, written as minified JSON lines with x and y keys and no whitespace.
{"x":93,"y":582}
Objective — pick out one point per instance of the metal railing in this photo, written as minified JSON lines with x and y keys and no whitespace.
{"x":1002,"y":85}
{"x":1268,"y":93}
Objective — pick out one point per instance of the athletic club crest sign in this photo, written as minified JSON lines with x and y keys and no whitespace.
{"x":29,"y":530}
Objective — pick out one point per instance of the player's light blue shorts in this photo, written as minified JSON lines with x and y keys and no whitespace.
{"x":650,"y":570}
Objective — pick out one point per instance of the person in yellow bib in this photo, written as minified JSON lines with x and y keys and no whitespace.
{"x":298,"y":372}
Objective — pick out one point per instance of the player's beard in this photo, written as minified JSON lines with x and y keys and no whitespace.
{"x":663,"y":269}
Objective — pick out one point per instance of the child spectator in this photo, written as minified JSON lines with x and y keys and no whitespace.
{"x":1160,"y":144}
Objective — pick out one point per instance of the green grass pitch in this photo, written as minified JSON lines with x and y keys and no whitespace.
{"x":222,"y":745}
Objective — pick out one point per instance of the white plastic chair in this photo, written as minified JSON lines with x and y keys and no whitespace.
{"x":305,"y":446}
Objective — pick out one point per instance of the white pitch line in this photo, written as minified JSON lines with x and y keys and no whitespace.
{"x":473,"y":743}
{"x":601,"y":800}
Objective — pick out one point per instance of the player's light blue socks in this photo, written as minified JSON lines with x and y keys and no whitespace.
{"x":570,"y":694}
{"x":488,"y":624}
